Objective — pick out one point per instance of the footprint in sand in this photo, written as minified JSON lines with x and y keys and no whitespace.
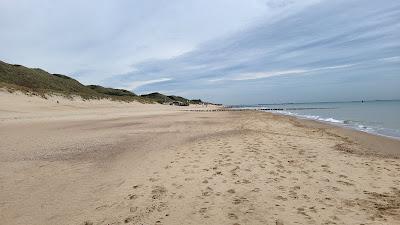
{"x":231,"y":191}
{"x":136,"y":186}
{"x":281,"y":198}
{"x":158,"y":192}
{"x":239,"y":200}
{"x":153,"y":179}
{"x":345,"y":183}
{"x":132,"y":196}
{"x":207,"y":192}
{"x":232,"y":216}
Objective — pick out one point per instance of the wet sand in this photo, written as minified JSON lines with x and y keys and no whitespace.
{"x":103,"y":162}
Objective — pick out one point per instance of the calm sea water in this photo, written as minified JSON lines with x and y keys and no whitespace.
{"x":377,"y":117}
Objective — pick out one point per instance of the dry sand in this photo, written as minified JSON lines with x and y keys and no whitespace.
{"x":102,"y":162}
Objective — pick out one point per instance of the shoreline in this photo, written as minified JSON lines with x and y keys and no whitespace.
{"x":377,"y":144}
{"x":104,"y":162}
{"x":346,"y":114}
{"x":388,"y":146}
{"x":304,"y":119}
{"x":342,"y":125}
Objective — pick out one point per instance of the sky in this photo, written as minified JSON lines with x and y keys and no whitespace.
{"x":224,"y":51}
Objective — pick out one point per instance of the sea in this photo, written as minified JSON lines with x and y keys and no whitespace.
{"x":380,"y":117}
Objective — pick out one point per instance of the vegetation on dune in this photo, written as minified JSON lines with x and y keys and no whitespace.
{"x":39,"y":82}
{"x":111,"y":91}
{"x":157,"y":97}
{"x":165,"y":99}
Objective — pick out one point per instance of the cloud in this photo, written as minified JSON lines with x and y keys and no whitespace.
{"x":135,"y":84}
{"x":224,"y":51}
{"x":262,"y":75}
{"x":259,"y":75}
{"x":59,"y":36}
{"x":337,"y":44}
{"x":391,"y":59}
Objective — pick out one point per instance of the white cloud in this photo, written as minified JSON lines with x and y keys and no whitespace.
{"x":261,"y":75}
{"x":319,"y":45}
{"x":135,"y":84}
{"x":391,"y":59}
{"x":198,"y":43}
{"x":335,"y":67}
{"x":60,"y":37}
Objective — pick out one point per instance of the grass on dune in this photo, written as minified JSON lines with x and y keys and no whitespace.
{"x":39,"y":82}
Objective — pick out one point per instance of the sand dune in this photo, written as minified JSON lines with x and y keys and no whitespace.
{"x":101,"y":162}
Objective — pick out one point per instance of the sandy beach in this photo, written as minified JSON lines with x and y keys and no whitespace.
{"x":103,"y":162}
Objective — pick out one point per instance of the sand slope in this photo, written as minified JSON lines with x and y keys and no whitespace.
{"x":112,"y":163}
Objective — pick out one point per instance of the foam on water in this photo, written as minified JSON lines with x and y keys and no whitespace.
{"x":393,"y":133}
